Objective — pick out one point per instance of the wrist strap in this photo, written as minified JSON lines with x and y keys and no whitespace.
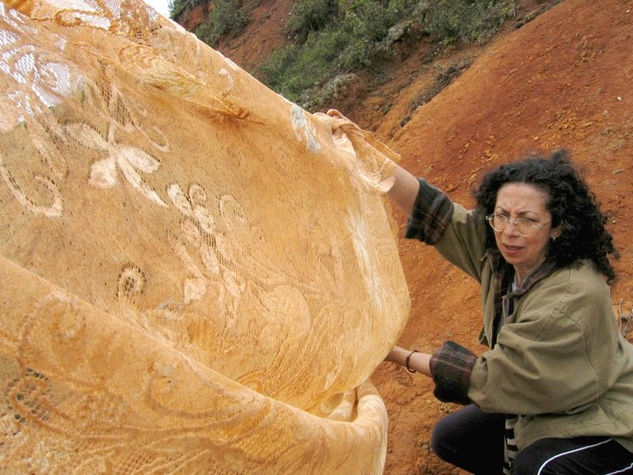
{"x":406,"y":361}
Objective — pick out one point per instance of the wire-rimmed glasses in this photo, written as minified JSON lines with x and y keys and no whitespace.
{"x":524,"y":226}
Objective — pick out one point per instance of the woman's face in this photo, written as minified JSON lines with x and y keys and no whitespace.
{"x":526,"y":202}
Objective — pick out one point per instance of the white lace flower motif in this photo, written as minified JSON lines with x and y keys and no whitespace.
{"x":130,"y":160}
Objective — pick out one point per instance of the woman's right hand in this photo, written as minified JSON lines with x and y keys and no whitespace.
{"x":362,"y":154}
{"x":371,"y":161}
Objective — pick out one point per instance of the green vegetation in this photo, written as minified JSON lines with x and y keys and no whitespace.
{"x":227,"y":17}
{"x":176,"y":7}
{"x":467,"y":21}
{"x":333,"y":38}
{"x":310,"y":16}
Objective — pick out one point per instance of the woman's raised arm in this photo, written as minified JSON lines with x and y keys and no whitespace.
{"x":404,"y":190}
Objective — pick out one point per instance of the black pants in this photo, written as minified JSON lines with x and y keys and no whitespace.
{"x":473,"y":440}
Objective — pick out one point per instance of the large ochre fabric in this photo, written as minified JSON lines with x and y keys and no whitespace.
{"x":193,"y":277}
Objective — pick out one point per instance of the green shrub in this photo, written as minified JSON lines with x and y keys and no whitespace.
{"x":331,"y":38}
{"x":468,"y":21}
{"x":334,"y":37}
{"x":293,"y":69}
{"x":176,"y":7}
{"x":226,"y":18}
{"x":307,"y":16}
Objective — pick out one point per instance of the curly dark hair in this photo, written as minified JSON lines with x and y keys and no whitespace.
{"x":572,"y":205}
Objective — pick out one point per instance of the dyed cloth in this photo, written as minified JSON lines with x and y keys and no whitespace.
{"x":193,"y":277}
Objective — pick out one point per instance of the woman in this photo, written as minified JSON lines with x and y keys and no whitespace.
{"x":554,"y":393}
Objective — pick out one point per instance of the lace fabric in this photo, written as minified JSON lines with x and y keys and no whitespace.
{"x":191,"y":279}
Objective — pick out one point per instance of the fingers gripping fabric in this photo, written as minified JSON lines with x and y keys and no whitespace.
{"x":366,"y":159}
{"x":191,"y":278}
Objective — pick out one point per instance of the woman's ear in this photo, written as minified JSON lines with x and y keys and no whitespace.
{"x":555,"y":233}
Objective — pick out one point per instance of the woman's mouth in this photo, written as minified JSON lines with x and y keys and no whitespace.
{"x":511,"y":250}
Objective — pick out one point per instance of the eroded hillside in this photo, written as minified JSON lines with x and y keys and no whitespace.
{"x":563,"y":79}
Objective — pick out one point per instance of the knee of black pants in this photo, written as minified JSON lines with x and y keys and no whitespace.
{"x":441,"y":433}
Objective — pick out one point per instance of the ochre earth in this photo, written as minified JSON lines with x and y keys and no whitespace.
{"x":564,"y":79}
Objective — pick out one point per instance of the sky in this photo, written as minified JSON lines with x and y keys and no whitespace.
{"x":161,"y":6}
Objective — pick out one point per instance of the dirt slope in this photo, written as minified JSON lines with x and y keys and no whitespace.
{"x":564,"y":79}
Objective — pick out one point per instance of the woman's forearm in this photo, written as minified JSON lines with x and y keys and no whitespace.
{"x":404,"y":191}
{"x":417,"y":361}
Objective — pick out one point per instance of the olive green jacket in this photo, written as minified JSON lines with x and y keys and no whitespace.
{"x":560,"y":361}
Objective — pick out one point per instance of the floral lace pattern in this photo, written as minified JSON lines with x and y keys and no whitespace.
{"x":191,"y":280}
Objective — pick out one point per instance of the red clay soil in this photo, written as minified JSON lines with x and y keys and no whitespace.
{"x":565,"y":80}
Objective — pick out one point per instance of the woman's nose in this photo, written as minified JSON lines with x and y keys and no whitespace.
{"x":511,"y":229}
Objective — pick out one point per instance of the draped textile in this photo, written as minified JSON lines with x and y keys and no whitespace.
{"x":192,"y":277}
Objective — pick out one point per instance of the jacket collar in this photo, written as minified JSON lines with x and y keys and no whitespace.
{"x":504,"y":274}
{"x":546,"y":268}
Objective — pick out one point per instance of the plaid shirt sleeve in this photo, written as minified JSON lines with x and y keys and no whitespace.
{"x":431,"y":214}
{"x":451,"y":366}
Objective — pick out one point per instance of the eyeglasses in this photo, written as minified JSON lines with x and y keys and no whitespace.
{"x":524,"y":226}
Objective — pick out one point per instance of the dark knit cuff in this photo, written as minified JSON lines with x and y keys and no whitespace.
{"x":451,"y":367}
{"x":430,"y":216}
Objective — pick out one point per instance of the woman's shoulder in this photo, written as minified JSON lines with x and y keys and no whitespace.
{"x":577,"y":292}
{"x":580,"y":281}
{"x":579,"y":274}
